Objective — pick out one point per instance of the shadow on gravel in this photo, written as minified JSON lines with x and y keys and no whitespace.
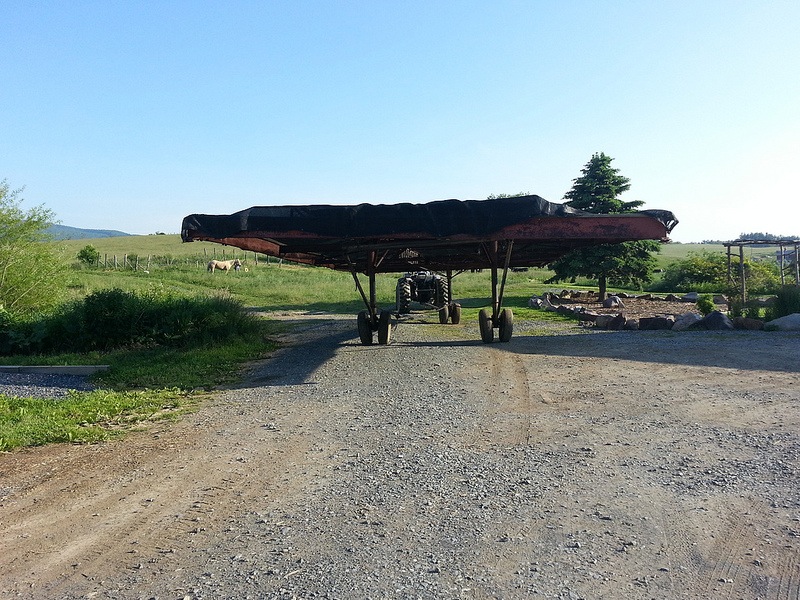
{"x":750,"y":351}
{"x":310,"y":345}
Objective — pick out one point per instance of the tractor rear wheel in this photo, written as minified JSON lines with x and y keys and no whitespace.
{"x":441,"y":296}
{"x":403,"y":297}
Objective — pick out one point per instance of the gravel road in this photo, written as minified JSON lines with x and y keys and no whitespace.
{"x":570,"y":464}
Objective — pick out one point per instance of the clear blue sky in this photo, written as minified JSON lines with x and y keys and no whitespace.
{"x":131,"y":115}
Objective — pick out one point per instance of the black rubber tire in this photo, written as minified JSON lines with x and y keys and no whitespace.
{"x":485,"y":324}
{"x":455,"y":313}
{"x":440,"y":297}
{"x":364,"y":328}
{"x":444,"y":314}
{"x":403,"y":297}
{"x":385,"y":328}
{"x":506,"y":325}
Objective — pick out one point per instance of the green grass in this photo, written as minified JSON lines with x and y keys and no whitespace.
{"x":83,"y":416}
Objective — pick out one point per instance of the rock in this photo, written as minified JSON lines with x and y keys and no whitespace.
{"x":720,"y":299}
{"x":602,"y":321}
{"x":564,"y":310}
{"x":631,"y":324}
{"x":714,"y":321}
{"x":613,"y":302}
{"x":685,"y":321}
{"x":655,"y":323}
{"x":787,"y":323}
{"x":617,"y":322}
{"x":748,"y":323}
{"x":672,"y":298}
{"x":588,"y":315}
{"x":690,"y":297}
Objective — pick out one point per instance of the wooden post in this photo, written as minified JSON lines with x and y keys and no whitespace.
{"x":741,"y":275}
{"x":782,"y":266}
{"x":730,"y":275}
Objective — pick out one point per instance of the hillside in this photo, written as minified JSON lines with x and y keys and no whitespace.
{"x":64,"y":232}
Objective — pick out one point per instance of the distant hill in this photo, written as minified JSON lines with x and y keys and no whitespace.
{"x":63,"y":232}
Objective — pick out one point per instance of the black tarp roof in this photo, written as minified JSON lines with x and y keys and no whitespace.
{"x":438,"y":235}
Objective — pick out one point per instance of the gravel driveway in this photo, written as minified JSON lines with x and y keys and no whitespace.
{"x":570,"y":465}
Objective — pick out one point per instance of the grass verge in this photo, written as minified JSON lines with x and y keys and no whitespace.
{"x":142,"y":385}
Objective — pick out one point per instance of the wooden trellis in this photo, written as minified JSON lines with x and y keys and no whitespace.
{"x":787,"y":260}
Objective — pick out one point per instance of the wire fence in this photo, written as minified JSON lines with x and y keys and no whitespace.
{"x":135,"y":262}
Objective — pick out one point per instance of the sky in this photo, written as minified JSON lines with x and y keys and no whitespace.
{"x":131,"y":115}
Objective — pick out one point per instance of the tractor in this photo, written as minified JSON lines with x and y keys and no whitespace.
{"x":426,"y":287}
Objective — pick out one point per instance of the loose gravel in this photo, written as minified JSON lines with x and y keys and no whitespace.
{"x":40,"y":385}
{"x":568,"y":465}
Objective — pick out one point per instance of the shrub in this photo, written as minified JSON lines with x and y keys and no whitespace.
{"x":89,"y":255}
{"x":787,"y":302}
{"x":111,"y":319}
{"x":31,"y":271}
{"x":708,"y":272}
{"x":705,"y":304}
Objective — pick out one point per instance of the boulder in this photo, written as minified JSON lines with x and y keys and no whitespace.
{"x":714,"y":321}
{"x":672,"y":298}
{"x":690,"y":297}
{"x":685,"y":321}
{"x":748,"y":323}
{"x":617,"y":322}
{"x":588,"y":315}
{"x":602,"y":321}
{"x":631,"y":325}
{"x":787,"y":323}
{"x":613,"y":302}
{"x":654,"y":323}
{"x":720,"y":299}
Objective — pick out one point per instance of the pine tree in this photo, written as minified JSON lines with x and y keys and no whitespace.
{"x":597,"y":190}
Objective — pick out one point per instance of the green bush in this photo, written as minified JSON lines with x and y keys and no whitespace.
{"x":111,"y":319}
{"x":705,"y":304}
{"x":89,"y":255}
{"x":707,"y":272}
{"x":787,"y":302}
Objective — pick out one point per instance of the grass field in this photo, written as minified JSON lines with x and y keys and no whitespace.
{"x":286,"y":287}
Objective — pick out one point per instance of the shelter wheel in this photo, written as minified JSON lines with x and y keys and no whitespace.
{"x":486,"y":326}
{"x":385,"y":327}
{"x":364,"y":328}
{"x":455,"y":313}
{"x":444,"y":314}
{"x":506,"y":325}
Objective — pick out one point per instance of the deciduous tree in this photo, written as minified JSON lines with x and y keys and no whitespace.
{"x":31,"y":270}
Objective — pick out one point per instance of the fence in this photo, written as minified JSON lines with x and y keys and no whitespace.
{"x":136,"y":262}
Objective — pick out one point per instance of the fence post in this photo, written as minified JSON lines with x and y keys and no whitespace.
{"x":115,"y":262}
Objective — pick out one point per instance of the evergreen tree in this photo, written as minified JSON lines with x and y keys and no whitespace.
{"x":597,"y":190}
